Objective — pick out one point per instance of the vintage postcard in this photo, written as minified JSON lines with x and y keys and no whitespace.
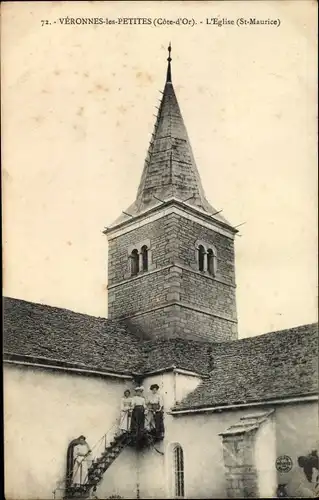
{"x":159,"y":187}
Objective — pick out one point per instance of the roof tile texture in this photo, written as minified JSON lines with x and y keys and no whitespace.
{"x":274,"y":365}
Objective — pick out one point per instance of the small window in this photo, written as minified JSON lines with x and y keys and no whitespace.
{"x":134,"y":263}
{"x":144,"y":251}
{"x":211,"y":261}
{"x":201,"y":257}
{"x":179,"y":471}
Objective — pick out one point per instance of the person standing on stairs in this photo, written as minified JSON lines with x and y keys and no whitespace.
{"x":80,"y":462}
{"x":138,"y":413}
{"x":155,"y":406}
{"x":126,"y":410}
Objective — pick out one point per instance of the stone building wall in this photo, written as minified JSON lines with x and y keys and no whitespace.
{"x":181,"y":322}
{"x":43,"y":411}
{"x":240,"y":468}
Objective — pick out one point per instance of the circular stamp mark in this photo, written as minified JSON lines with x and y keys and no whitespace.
{"x":284,"y":463}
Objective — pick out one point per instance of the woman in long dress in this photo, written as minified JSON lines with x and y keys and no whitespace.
{"x":70,"y":462}
{"x":138,"y":413}
{"x":126,"y":408}
{"x":80,"y":462}
{"x":155,"y":407}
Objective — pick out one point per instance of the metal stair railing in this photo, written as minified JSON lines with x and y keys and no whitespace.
{"x":106,"y":450}
{"x":99,"y":447}
{"x":100,"y":466}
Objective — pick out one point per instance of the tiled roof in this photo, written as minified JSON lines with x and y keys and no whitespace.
{"x":181,"y":353}
{"x":52,"y":333}
{"x":270,"y":366}
{"x":170,"y":170}
{"x":42,"y":331}
{"x":274,"y":365}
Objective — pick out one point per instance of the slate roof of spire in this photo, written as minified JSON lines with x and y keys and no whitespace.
{"x":273,"y":365}
{"x":170,"y":170}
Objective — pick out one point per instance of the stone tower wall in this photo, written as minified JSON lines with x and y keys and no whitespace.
{"x":174,"y":298}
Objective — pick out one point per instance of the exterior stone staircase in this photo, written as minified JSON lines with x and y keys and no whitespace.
{"x":101,"y":464}
{"x":99,"y":467}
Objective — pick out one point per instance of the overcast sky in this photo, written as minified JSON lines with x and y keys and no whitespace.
{"x":77,"y":110}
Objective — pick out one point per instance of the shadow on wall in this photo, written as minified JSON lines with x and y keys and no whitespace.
{"x":137,"y":330}
{"x":309,"y":464}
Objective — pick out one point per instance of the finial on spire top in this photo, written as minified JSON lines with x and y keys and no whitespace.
{"x":169,"y":72}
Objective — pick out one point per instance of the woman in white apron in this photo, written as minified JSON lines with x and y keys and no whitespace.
{"x":126,"y":410}
{"x":80,"y":462}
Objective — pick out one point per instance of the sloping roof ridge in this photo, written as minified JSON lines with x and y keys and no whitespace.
{"x":49,"y":306}
{"x":262,"y":336}
{"x":297,"y":327}
{"x":242,"y":427}
{"x":121,"y":326}
{"x":53,"y":362}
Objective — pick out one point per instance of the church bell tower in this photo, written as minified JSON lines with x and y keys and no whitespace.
{"x":171,"y":269}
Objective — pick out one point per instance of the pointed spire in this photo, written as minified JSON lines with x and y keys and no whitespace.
{"x":169,"y":70}
{"x":170,"y":170}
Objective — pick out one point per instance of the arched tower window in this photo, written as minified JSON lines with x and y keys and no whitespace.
{"x":139,"y":258}
{"x":144,"y":252}
{"x":179,"y":471}
{"x":201,"y":257}
{"x":211,"y":261}
{"x":134,"y":262}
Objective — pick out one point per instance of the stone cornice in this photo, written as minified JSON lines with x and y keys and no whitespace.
{"x":261,"y":402}
{"x":166,"y":208}
{"x":180,"y":304}
{"x":55,"y":364}
{"x":169,"y":266}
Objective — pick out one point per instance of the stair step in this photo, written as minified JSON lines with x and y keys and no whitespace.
{"x":106,"y":457}
{"x":109,"y":449}
{"x":101,"y":464}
